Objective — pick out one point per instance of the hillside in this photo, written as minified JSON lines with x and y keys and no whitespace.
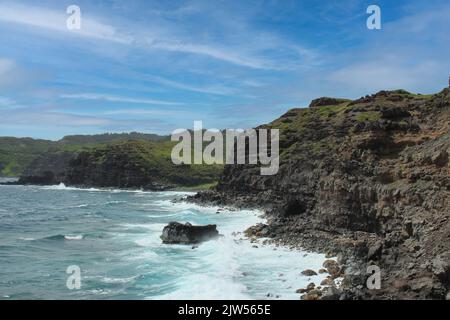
{"x":366,"y":179}
{"x":108,"y":138}
{"x":136,"y":164}
{"x":16,"y":154}
{"x":128,"y":164}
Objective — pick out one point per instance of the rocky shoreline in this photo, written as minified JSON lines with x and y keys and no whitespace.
{"x":365,"y":180}
{"x":355,"y":252}
{"x":330,"y":288}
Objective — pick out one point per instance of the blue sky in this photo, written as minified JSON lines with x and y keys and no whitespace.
{"x":155,"y":66}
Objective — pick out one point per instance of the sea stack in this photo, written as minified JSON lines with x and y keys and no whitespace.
{"x":178,"y":233}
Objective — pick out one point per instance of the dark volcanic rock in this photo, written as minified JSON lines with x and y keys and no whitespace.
{"x":130,"y":164}
{"x":368,"y":180}
{"x":47,"y":169}
{"x":176,"y":232}
{"x":326,"y":101}
{"x":309,"y":272}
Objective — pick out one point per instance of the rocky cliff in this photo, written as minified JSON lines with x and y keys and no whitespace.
{"x":130,"y":164}
{"x":366,"y":179}
{"x":17,"y":154}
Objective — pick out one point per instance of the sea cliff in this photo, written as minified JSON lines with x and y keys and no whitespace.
{"x":367,"y":180}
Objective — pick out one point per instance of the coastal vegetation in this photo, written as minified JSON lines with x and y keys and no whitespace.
{"x":108,"y":160}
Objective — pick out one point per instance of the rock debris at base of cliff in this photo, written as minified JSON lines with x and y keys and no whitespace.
{"x":367,"y":180}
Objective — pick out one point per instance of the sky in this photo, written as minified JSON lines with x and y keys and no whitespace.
{"x":157,"y":66}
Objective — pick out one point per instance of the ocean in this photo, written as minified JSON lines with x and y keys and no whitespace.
{"x":112,"y":236}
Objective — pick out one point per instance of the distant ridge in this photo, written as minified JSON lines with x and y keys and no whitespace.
{"x":17,"y":153}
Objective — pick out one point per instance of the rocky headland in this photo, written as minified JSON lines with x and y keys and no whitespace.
{"x":131,"y":164}
{"x":367,"y":180}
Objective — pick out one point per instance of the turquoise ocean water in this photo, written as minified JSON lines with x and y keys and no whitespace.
{"x":113,"y":237}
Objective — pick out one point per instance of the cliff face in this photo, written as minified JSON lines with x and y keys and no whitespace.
{"x":131,"y":164}
{"x":368,"y":179}
{"x":17,"y":153}
{"x":47,"y":169}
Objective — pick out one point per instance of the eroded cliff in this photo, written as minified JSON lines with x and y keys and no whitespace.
{"x":366,"y":179}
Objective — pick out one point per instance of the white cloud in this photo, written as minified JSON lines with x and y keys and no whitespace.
{"x":25,"y":118}
{"x":145,"y":112}
{"x":213,"y":52}
{"x":56,"y":21}
{"x":28,"y":117}
{"x":111,"y":98}
{"x":383,"y":74}
{"x":218,"y":90}
{"x":245,"y":50}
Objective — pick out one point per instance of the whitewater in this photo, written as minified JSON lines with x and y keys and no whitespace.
{"x":114,"y":238}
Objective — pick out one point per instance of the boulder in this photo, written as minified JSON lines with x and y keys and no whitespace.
{"x":310,"y":286}
{"x":309,"y":273}
{"x":259,"y":230}
{"x":327,"y":282}
{"x":302,"y":290}
{"x":311,"y":296}
{"x":176,"y":232}
{"x":331,"y":293}
{"x":332,"y":267}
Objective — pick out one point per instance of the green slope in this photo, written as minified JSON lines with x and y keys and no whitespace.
{"x":16,"y":154}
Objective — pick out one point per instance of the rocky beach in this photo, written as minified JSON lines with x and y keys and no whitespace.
{"x":366,"y":180}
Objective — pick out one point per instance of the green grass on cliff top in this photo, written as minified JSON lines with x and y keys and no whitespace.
{"x":153,"y":158}
{"x":17,"y":153}
{"x":306,"y":131}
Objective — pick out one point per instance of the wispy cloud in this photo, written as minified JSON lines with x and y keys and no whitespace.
{"x":28,"y":117}
{"x":385,"y":74}
{"x":212,"y":51}
{"x":112,"y":98}
{"x":233,"y":63}
{"x":218,"y":89}
{"x":55,"y":20}
{"x":146,"y":112}
{"x":165,"y":36}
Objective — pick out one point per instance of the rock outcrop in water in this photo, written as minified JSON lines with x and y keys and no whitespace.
{"x":367,"y":179}
{"x":176,"y":232}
